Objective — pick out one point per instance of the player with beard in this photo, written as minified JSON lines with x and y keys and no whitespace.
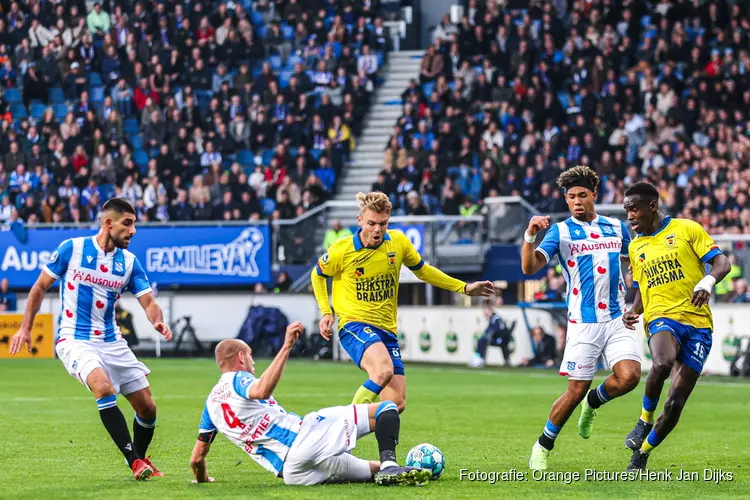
{"x":93,"y":272}
{"x":591,"y":247}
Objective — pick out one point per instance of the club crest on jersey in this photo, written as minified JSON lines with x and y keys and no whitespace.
{"x":642,"y":257}
{"x":392,"y":258}
{"x":360,"y":271}
{"x":571,"y":365}
{"x":119,"y":267}
{"x":670,"y":240}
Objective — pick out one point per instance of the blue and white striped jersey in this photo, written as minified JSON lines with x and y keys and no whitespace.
{"x":590,"y":259}
{"x":91,"y":282}
{"x":259,"y":426}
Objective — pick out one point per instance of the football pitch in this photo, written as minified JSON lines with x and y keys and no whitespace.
{"x":54,"y":445}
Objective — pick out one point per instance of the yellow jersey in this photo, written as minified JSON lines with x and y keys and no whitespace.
{"x":666,"y":267}
{"x":366,"y":280}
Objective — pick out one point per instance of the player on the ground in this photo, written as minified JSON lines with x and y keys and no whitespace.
{"x":302,"y":451}
{"x":93,"y":272}
{"x":669,"y":258}
{"x":365,"y":270}
{"x":590,"y":248}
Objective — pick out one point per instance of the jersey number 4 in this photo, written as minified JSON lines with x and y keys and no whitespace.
{"x":230,"y":418}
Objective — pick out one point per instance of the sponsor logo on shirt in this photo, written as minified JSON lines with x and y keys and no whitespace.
{"x":86,"y":277}
{"x":590,"y":247}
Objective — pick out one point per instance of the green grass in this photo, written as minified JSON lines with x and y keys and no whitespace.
{"x":54,"y":445}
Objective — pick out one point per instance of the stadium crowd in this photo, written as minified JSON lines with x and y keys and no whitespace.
{"x":192,"y":111}
{"x":511,"y":96}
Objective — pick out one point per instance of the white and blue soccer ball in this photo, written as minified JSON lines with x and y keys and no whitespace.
{"x":427,"y":456}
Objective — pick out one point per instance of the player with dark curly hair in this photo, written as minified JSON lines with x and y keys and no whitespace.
{"x":591,"y":247}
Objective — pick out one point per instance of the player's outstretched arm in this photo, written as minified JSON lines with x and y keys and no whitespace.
{"x":266,"y":384}
{"x":33,"y":304}
{"x":155,"y":314}
{"x":198,"y":462}
{"x":533,"y":261}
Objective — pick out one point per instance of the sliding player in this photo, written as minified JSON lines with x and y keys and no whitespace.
{"x":302,"y":451}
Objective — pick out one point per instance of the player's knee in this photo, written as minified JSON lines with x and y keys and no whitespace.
{"x":382,"y":374}
{"x":629,"y":380}
{"x":662,"y":367}
{"x":147,"y":410}
{"x":102,"y":388}
{"x":400,"y":403}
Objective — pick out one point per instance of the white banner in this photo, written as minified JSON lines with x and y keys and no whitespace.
{"x":448,"y":334}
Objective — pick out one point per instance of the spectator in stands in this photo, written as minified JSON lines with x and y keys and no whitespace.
{"x":543,"y":346}
{"x":335,"y":233}
{"x":431,"y":66}
{"x":8,"y":300}
{"x":496,"y":334}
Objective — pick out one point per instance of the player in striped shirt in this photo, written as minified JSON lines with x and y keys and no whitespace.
{"x":93,"y":272}
{"x":590,"y":247}
{"x":303,"y":451}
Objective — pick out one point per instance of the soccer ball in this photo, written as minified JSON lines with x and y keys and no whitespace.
{"x":427,"y":456}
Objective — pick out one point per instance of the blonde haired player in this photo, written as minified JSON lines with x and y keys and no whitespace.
{"x":365,"y":270}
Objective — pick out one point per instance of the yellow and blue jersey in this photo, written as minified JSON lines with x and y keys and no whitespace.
{"x":666,"y":267}
{"x":365,"y":280}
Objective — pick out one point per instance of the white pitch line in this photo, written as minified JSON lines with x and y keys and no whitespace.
{"x":168,"y":397}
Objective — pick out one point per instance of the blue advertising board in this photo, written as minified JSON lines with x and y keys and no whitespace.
{"x":415,"y":233}
{"x":171,"y":255}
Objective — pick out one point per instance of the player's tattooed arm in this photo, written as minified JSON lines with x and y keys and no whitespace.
{"x":198,"y":462}
{"x":155,"y":314}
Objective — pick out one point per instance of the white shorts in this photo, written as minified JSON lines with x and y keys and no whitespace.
{"x":319,"y":454}
{"x":587,"y":343}
{"x":81,"y":357}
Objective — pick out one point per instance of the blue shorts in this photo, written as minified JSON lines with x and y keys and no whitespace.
{"x":357,"y":337}
{"x":695,"y":343}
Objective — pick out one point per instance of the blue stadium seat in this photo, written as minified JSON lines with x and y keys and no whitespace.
{"x":246,"y":158}
{"x":284,"y":77}
{"x":95,"y":79}
{"x":262,"y":31}
{"x":130,"y":126}
{"x":36,"y":110}
{"x":141,"y":159}
{"x":292,"y":60}
{"x":97,"y":94}
{"x":106,"y":191}
{"x":269,"y":205}
{"x":56,"y":95}
{"x":316,"y":154}
{"x":18,"y":110}
{"x":276,"y":62}
{"x":257,"y":18}
{"x":60,"y":111}
{"x":137,"y":141}
{"x":267,"y":156}
{"x":12,"y":95}
{"x":428,"y":88}
{"x":287,"y":31}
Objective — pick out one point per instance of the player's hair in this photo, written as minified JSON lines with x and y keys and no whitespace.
{"x":227,"y":350}
{"x":118,"y":205}
{"x":643,"y":189}
{"x":581,"y":173}
{"x":376,"y":201}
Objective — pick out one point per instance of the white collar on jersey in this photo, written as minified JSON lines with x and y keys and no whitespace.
{"x":585,"y":224}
